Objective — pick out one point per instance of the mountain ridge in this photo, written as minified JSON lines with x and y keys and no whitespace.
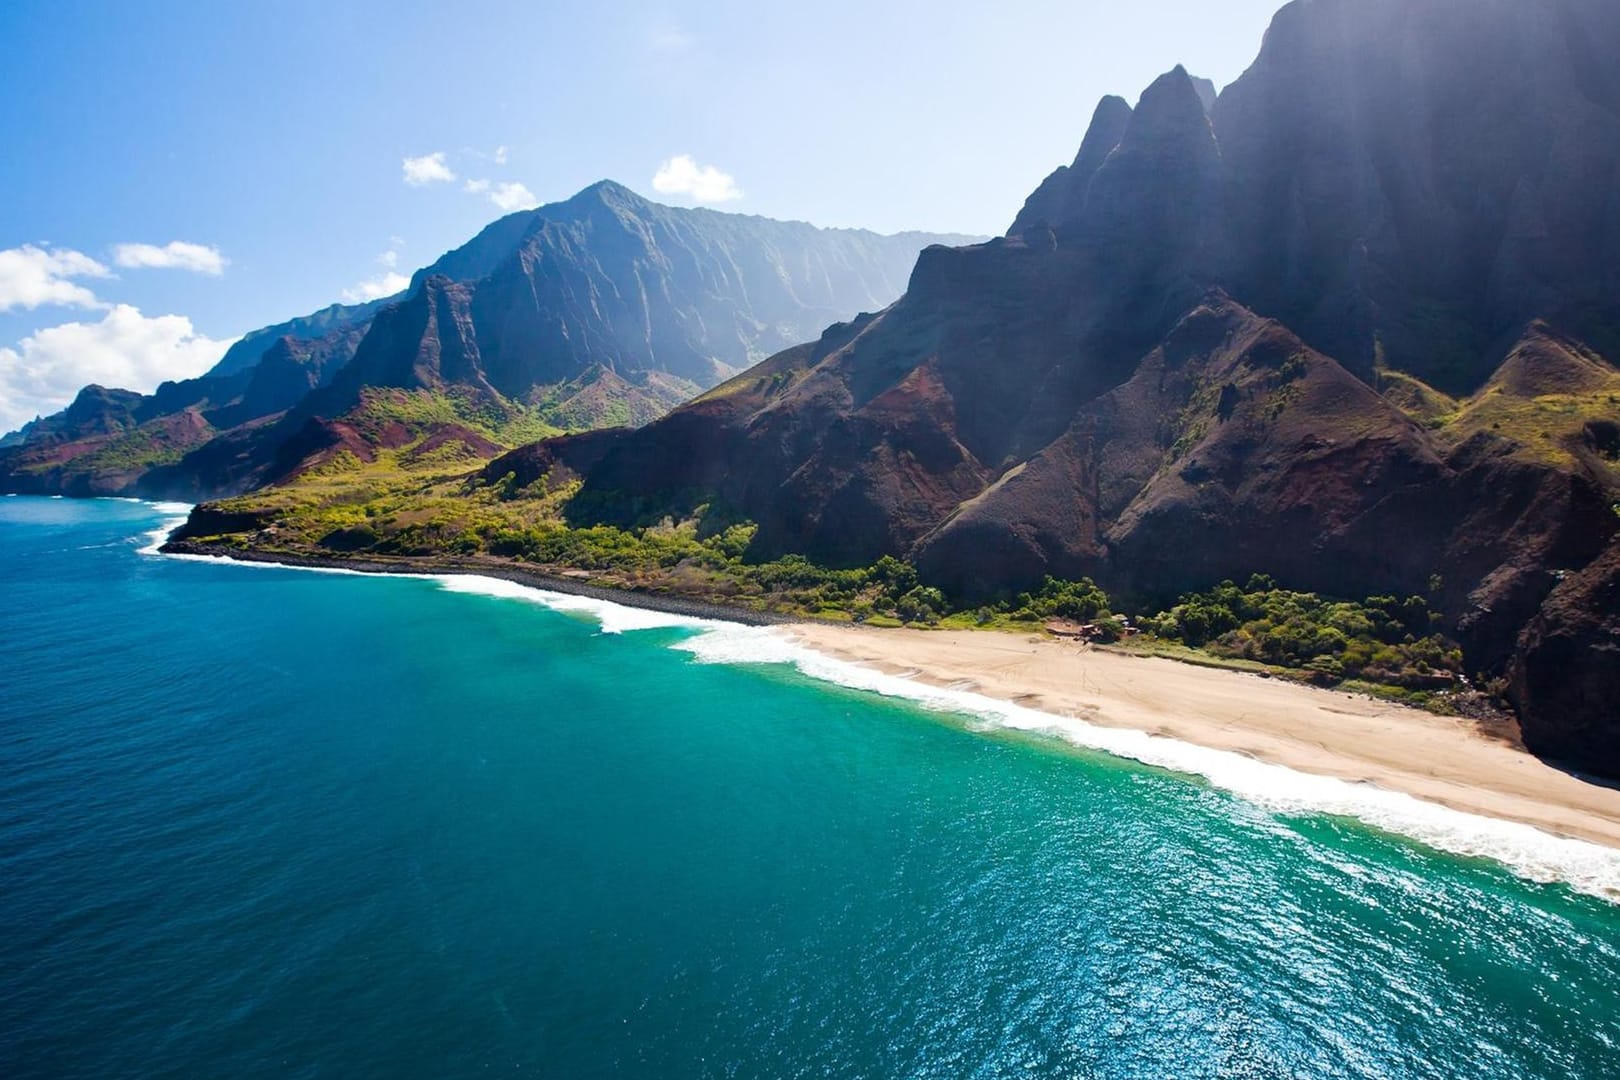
{"x":531,"y":303}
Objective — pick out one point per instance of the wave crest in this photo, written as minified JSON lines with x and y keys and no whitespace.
{"x":1528,"y":851}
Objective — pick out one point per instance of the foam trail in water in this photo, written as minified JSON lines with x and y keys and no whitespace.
{"x":613,"y":618}
{"x":1530,"y":852}
{"x":177,"y":514}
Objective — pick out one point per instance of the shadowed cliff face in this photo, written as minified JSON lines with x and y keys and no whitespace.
{"x":1567,"y":674}
{"x":1400,"y":182}
{"x":337,"y":319}
{"x":1350,"y":324}
{"x":1061,"y":197}
{"x":1412,"y":181}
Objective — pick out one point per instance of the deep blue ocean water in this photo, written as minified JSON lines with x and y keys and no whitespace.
{"x":267,"y":823}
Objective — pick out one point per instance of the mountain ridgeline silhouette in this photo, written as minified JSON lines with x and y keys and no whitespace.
{"x":605,"y":307}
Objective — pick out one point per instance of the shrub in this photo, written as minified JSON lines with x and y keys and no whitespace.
{"x":1387,"y":638}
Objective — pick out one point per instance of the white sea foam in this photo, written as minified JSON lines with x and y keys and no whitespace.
{"x":176,"y":516}
{"x":613,"y":618}
{"x":1528,"y":851}
{"x":161,"y":536}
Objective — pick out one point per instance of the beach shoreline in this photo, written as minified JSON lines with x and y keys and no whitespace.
{"x":432,"y":566}
{"x":1318,"y":732}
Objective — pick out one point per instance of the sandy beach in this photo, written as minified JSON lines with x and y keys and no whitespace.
{"x":1440,"y":759}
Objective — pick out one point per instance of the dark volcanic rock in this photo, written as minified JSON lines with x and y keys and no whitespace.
{"x":1235,"y":432}
{"x":213,"y":521}
{"x":1565,"y":681}
{"x":249,"y":352}
{"x":1061,"y":195}
{"x":1409,"y":179}
{"x":556,"y":460}
{"x":426,"y":341}
{"x":287,"y":372}
{"x":97,"y":410}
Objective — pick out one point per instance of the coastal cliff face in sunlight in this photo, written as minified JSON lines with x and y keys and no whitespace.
{"x":604,"y":309}
{"x":1353,"y":322}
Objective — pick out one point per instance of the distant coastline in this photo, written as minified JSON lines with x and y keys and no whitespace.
{"x":428,"y":566}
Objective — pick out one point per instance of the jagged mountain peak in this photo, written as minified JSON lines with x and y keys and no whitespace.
{"x":1133,"y":154}
{"x":1172,"y":102}
{"x":247,"y":352}
{"x":610,"y":192}
{"x":1061,"y":194}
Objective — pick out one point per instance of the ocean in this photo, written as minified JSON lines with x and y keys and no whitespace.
{"x":263,"y":822}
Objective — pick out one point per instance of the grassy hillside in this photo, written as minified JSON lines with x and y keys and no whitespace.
{"x":1552,"y":403}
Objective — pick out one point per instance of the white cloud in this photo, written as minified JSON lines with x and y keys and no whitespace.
{"x":178,"y":255}
{"x":513,"y":196}
{"x":376,"y":288}
{"x":427,"y":169}
{"x":507,"y":196}
{"x":499,"y":157}
{"x":385,"y":284}
{"x":702,"y":183}
{"x":125,"y":350}
{"x":32,"y":276}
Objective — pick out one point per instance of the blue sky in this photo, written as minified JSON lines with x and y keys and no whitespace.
{"x":276,"y":142}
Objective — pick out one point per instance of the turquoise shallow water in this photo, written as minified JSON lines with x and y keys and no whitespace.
{"x":258,"y":822}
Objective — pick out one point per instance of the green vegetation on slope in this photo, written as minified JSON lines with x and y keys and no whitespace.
{"x":1548,"y":406}
{"x":128,"y":453}
{"x":396,"y":446}
{"x":1547,"y":428}
{"x":505,"y":423}
{"x":600,"y":398}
